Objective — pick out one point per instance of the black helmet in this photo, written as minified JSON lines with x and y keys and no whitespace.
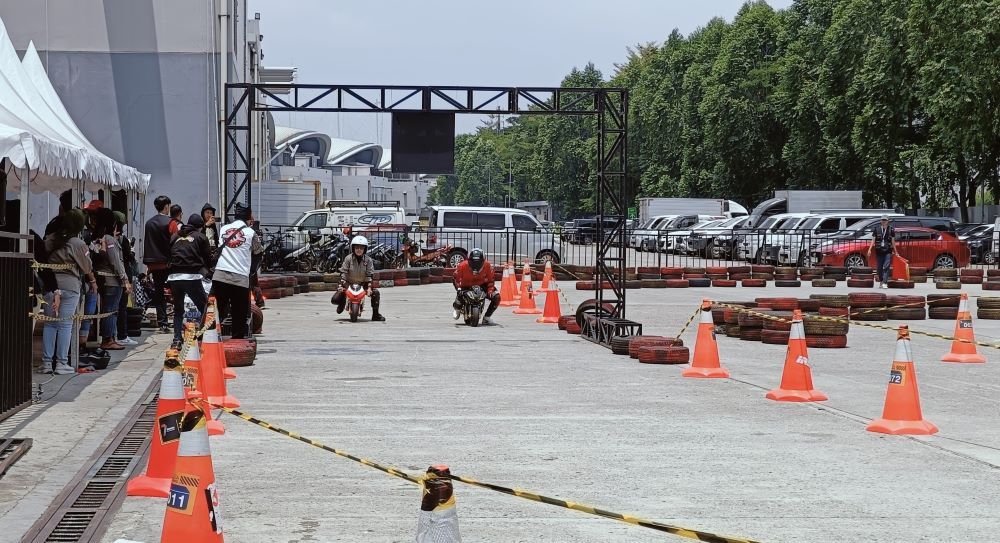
{"x":476,"y":259}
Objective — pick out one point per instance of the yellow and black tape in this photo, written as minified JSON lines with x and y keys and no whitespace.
{"x":688,"y":533}
{"x":45,"y":318}
{"x":689,"y":321}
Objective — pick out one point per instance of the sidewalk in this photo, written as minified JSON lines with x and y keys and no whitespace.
{"x":77,"y":414}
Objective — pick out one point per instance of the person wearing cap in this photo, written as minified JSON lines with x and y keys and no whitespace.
{"x":190,"y":254}
{"x":885,"y":247}
{"x":238,"y":260}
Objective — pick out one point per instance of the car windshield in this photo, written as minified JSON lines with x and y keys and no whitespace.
{"x":731,"y":223}
{"x":789,"y":223}
{"x":809,"y":224}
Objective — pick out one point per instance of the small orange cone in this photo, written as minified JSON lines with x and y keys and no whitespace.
{"x":705,"y":362}
{"x":210,"y":376}
{"x":438,"y":522}
{"x":901,"y":414}
{"x":507,"y":287}
{"x":963,"y":349}
{"x":552,"y":311}
{"x":193,"y":512}
{"x":155,"y":483}
{"x":796,"y":379}
{"x":527,"y":305}
{"x":547,"y":277}
{"x":211,"y":309}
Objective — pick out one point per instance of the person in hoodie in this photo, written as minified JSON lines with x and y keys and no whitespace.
{"x":189,"y":260}
{"x":211,"y":230}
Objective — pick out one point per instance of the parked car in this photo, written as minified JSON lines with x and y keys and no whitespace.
{"x":584,"y":231}
{"x":924,"y":247}
{"x":502,"y":233}
{"x":981,"y":245}
{"x":644,"y":237}
{"x":770,"y":243}
{"x":747,"y":239}
{"x":793,"y":249}
{"x":677,"y":241}
{"x":715,"y":241}
{"x":680,"y":224}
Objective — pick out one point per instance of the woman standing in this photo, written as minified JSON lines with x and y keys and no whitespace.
{"x":128,"y":258}
{"x":190,"y":256}
{"x":111,"y":269}
{"x":64,"y":247}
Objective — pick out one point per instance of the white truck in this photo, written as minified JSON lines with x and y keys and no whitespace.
{"x":804,"y":201}
{"x":653,"y":207}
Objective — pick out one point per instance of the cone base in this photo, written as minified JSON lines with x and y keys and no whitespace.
{"x":784,"y":395}
{"x":508,"y":304}
{"x":973,"y":358}
{"x":215,"y":428}
{"x":706,"y":373}
{"x":150,"y":487}
{"x":229,"y":373}
{"x":224,"y":401}
{"x":527,"y":311}
{"x":902,"y":427}
{"x":548,"y":320}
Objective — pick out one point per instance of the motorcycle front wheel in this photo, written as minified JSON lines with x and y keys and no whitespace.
{"x":304,"y":264}
{"x":355,"y":312}
{"x":473,"y":319}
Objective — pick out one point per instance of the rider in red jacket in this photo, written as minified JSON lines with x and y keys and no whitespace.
{"x":472,"y":272}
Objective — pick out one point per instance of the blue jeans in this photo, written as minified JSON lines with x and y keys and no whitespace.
{"x":109,"y":304}
{"x":884,"y":269}
{"x":56,"y":336}
{"x":89,"y":308}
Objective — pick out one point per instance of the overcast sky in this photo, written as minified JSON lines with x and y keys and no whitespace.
{"x":460,"y":42}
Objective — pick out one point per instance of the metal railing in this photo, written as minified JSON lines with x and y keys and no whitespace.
{"x":15,"y":327}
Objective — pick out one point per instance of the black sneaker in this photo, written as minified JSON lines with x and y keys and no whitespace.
{"x":377,"y":317}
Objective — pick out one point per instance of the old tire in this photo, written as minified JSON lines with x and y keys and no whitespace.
{"x":663,"y":354}
{"x":240,"y":352}
{"x":826,"y":342}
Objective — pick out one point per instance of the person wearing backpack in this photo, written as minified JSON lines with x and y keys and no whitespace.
{"x":63,"y":287}
{"x":156,"y":256}
{"x":885,"y":247}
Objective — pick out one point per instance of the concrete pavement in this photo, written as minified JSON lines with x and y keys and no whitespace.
{"x":526,"y":405}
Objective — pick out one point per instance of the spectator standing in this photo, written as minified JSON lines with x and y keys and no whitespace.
{"x":128,"y":258}
{"x":238,"y":260}
{"x":156,"y":256}
{"x":189,"y":258}
{"x":110,"y":269}
{"x":62,"y":289}
{"x":91,"y":296}
{"x":176,"y":219}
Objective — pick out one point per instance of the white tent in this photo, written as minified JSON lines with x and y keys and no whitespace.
{"x":37,"y":133}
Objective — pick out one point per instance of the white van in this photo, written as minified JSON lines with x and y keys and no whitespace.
{"x":337,"y":215}
{"x":502,"y":233}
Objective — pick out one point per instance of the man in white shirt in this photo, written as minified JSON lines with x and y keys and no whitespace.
{"x":238,"y":258}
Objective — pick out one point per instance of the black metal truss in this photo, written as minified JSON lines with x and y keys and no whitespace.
{"x":610,"y":105}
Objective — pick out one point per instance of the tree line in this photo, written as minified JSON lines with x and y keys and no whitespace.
{"x":898,"y":98}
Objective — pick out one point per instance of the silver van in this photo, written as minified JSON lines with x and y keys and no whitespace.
{"x":502,"y":233}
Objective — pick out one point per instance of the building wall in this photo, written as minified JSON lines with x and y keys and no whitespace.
{"x":140,"y":79}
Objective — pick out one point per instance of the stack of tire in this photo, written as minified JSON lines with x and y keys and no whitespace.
{"x":650,"y":277}
{"x":697,"y":277}
{"x":837,"y":273}
{"x":719,"y":276}
{"x":762,"y":271}
{"x":918,"y":274}
{"x":619,"y":344}
{"x":862,"y":277}
{"x":992,"y":280}
{"x":658,"y":350}
{"x":671,"y":272}
{"x":971,"y":276}
{"x":751,"y":324}
{"x":739,"y":273}
{"x":777,"y":325}
{"x":824,"y":332}
{"x":947,"y":279}
{"x":907,"y":307}
{"x":943,"y":306}
{"x":640,"y":342}
{"x":731,"y":320}
{"x":134,"y":327}
{"x":317,"y":283}
{"x":868,"y":306}
{"x":240,"y":352}
{"x":256,"y":320}
{"x":568,"y":323}
{"x":785,"y":276}
{"x":988,"y":308}
{"x":811,"y":273}
{"x":272,"y":286}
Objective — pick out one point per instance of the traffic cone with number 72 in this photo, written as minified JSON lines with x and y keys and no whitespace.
{"x":901,"y":414}
{"x":963,"y":348}
{"x":705,"y":362}
{"x":193,"y":511}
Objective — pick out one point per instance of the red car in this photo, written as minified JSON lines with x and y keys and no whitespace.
{"x":922,"y":247}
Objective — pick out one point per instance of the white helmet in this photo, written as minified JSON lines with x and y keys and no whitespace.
{"x":359,"y":240}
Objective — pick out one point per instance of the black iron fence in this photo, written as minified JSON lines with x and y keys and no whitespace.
{"x":665,"y":248}
{"x":16,"y":280}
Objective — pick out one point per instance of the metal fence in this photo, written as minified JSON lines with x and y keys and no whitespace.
{"x":16,"y":282}
{"x":676,"y":249}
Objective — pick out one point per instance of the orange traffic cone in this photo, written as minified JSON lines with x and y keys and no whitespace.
{"x":438,"y":521}
{"x":193,"y":510}
{"x":193,"y":384}
{"x":901,"y":414}
{"x":796,"y":379}
{"x":212,"y":309}
{"x":547,"y":277}
{"x":705,"y":362}
{"x":155,"y":483}
{"x":507,"y":287}
{"x":552,"y":312}
{"x":963,"y":348}
{"x":213,"y":356}
{"x":527,"y":305}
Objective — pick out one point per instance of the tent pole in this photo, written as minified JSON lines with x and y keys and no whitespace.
{"x":24,"y":210}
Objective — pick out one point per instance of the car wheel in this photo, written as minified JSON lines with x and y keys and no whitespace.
{"x":547,"y":256}
{"x":855,"y":260}
{"x":944,"y":261}
{"x":989,"y":258}
{"x":455,"y":258}
{"x":804,"y":260}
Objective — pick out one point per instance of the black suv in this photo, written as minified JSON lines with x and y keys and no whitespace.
{"x":585,"y":230}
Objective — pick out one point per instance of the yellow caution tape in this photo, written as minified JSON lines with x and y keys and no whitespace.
{"x":532,"y":496}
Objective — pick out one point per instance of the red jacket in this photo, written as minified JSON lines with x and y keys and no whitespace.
{"x":466,"y":278}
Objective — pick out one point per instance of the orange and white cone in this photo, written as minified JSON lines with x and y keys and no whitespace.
{"x":705,"y":362}
{"x":901,"y":413}
{"x":527,"y":305}
{"x":796,"y":379}
{"x":507,"y":287}
{"x":547,"y":278}
{"x":438,"y":522}
{"x":963,"y":348}
{"x":212,"y":309}
{"x":155,"y":483}
{"x":213,"y":359}
{"x":526,"y":284}
{"x":193,"y":385}
{"x":551,"y":311}
{"x":194,"y":514}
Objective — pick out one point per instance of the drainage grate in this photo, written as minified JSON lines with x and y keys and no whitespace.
{"x":10,"y":451}
{"x":85,"y":506}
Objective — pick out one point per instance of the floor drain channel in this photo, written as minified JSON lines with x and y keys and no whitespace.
{"x":10,"y":451}
{"x":88,"y":503}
